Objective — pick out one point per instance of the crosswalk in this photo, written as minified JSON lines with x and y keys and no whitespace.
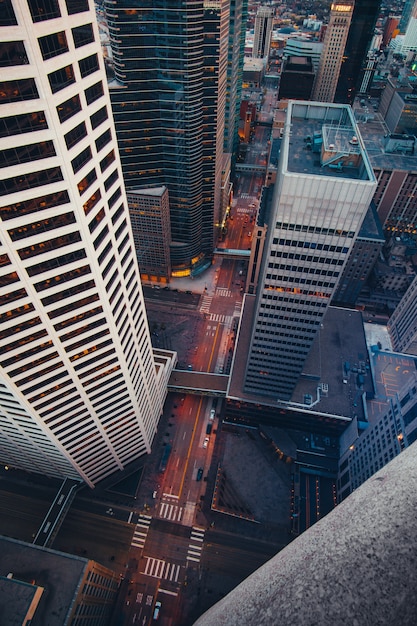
{"x":141,"y":531}
{"x":158,"y":568}
{"x":223,"y":291}
{"x":222,"y":319}
{"x":205,"y":304}
{"x":196,"y":544}
{"x":169,"y":508}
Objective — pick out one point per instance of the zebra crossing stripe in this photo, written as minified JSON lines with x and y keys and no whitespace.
{"x":157,"y":568}
{"x":141,"y":531}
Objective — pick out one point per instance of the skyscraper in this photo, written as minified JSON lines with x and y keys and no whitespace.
{"x":263,"y":31}
{"x":321,"y":196}
{"x":365,"y":14}
{"x":79,"y":392}
{"x":168,"y":102}
{"x":402,"y":325}
{"x":333,"y":47}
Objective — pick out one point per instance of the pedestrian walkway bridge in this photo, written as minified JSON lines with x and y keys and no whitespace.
{"x":232,"y":254}
{"x":198,"y":383}
{"x":250,"y":167}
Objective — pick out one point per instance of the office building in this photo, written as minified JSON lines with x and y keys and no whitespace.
{"x":79,"y":392}
{"x":365,"y":15}
{"x":320,"y":200}
{"x":406,"y":15}
{"x":151,"y":226}
{"x":303,"y":47}
{"x":263,"y":29}
{"x":403,"y":44}
{"x":402,"y":325}
{"x":168,"y":103}
{"x":297,"y":78}
{"x":236,"y":53}
{"x":333,"y":47}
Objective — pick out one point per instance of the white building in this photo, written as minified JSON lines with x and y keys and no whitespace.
{"x":263,"y":30}
{"x":402,"y":325}
{"x":80,"y":391}
{"x":324,"y":187}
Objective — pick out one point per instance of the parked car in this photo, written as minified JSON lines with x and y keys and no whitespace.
{"x":212,"y":414}
{"x":206,"y":442}
{"x":209,"y":428}
{"x":157,"y":610}
{"x":199,"y":473}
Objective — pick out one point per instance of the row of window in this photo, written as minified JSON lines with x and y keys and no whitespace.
{"x":303,"y":228}
{"x":301,"y":281}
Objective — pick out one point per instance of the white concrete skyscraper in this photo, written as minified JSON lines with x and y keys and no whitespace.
{"x":263,"y":30}
{"x":80,"y":391}
{"x":324,"y":186}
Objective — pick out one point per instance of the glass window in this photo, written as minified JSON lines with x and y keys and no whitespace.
{"x":92,"y":201}
{"x":99,"y":117}
{"x":53,"y":45}
{"x":34,"y":205}
{"x":7,"y":16}
{"x":44,"y":9}
{"x":94,"y":92}
{"x":26,"y":123}
{"x":69,"y":108}
{"x":17,"y":90}
{"x":61,"y":78}
{"x":30,"y":180}
{"x":88,"y":180}
{"x":25,"y":154}
{"x":108,"y":160}
{"x":88,"y":65}
{"x":41,"y":226}
{"x":12,"y":53}
{"x":56,"y":262}
{"x":83,"y":35}
{"x":49,"y":246}
{"x":76,"y":6}
{"x":103,"y":140}
{"x":81,"y":159}
{"x":111,"y":180}
{"x":75,"y":135}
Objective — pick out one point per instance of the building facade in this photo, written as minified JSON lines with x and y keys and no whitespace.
{"x":168,"y":102}
{"x":79,"y":394}
{"x":263,"y":30}
{"x":365,"y":15}
{"x":333,"y":47}
{"x":317,"y":211}
{"x":402,"y":325}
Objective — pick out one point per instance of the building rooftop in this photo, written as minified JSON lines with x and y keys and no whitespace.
{"x":322,"y":140}
{"x":341,"y":340}
{"x":58,"y":573}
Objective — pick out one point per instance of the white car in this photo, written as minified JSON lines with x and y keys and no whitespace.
{"x":212,"y":414}
{"x":206,"y":442}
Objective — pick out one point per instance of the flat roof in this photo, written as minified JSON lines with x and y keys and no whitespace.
{"x":58,"y":573}
{"x":341,"y":339}
{"x":340,"y":142}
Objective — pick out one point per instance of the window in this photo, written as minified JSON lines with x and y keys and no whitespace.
{"x":81,"y":160}
{"x":25,"y":154}
{"x":18,"y":90}
{"x":69,"y":108}
{"x":53,"y":45}
{"x":30,"y":181}
{"x":12,"y":53}
{"x":7,"y":16}
{"x":92,"y":201}
{"x":96,"y":221}
{"x":88,"y":180}
{"x":41,"y":226}
{"x":111,"y":180}
{"x":108,"y":160}
{"x":26,"y":123}
{"x":61,"y":78}
{"x":104,"y":139}
{"x":49,"y":246}
{"x":83,"y":35}
{"x":56,"y":262}
{"x":94,"y":92}
{"x":44,"y":10}
{"x":99,"y":117}
{"x":75,"y":135}
{"x":76,"y":6}
{"x":34,"y":205}
{"x":88,"y":65}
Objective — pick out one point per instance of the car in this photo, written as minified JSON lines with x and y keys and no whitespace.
{"x":212,"y":414}
{"x":200,"y":473}
{"x":206,"y":442}
{"x":157,"y":610}
{"x":209,"y":428}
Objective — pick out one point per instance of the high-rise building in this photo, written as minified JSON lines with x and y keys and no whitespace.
{"x":320,"y":200}
{"x":168,"y":103}
{"x":236,"y":53}
{"x":263,"y":29}
{"x":402,"y":325}
{"x":405,"y":15}
{"x":79,"y":391}
{"x":333,"y":47}
{"x":297,"y":78}
{"x":365,"y":15}
{"x":403,"y":44}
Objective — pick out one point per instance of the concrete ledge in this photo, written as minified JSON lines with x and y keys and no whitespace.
{"x":357,"y":566}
